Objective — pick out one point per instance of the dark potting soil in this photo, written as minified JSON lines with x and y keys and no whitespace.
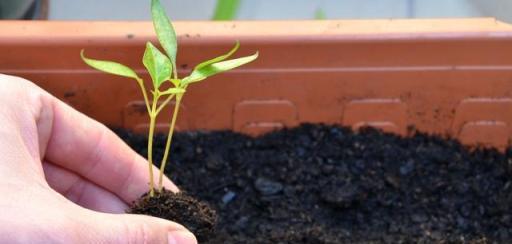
{"x":198,"y":217}
{"x":328,"y":184}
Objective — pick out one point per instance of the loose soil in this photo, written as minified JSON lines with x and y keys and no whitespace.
{"x":328,"y":184}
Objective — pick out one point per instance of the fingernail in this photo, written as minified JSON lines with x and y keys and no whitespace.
{"x":181,"y":237}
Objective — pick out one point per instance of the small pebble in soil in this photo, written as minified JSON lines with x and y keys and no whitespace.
{"x":343,"y":196}
{"x":267,"y":187}
{"x":228,"y":197}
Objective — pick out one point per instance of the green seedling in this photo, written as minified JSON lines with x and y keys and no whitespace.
{"x":162,"y":69}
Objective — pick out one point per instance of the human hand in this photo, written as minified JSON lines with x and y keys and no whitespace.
{"x":66,"y":178}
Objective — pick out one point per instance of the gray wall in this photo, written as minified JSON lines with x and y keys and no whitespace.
{"x":284,"y":9}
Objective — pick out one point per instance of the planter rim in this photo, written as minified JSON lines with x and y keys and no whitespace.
{"x":444,"y":76}
{"x":306,"y":30}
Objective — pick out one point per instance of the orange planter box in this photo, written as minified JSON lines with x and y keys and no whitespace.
{"x":450,"y":77}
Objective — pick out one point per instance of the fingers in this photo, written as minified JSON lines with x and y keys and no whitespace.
{"x":81,"y":191}
{"x":42,"y":216}
{"x":127,"y":228}
{"x":108,"y":228}
{"x":86,"y":147}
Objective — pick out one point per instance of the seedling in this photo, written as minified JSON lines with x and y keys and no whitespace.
{"x":162,"y":69}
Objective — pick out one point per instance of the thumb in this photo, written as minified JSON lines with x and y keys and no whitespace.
{"x":130,"y":228}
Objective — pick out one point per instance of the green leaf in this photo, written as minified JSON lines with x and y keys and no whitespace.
{"x":164,"y":30}
{"x":157,"y":64}
{"x":218,"y":59}
{"x":212,"y":69}
{"x":176,"y":82}
{"x":173,"y":91}
{"x":110,"y":67}
{"x":226,"y":9}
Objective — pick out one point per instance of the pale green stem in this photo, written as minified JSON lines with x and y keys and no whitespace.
{"x":144,"y":93}
{"x":169,"y":140}
{"x":169,"y":98}
{"x":152,"y":116}
{"x":175,"y":71}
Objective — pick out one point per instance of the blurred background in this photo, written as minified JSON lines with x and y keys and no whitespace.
{"x":255,"y":9}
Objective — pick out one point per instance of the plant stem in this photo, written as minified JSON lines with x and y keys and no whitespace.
{"x":161,"y":106}
{"x":144,"y":93}
{"x":169,"y":140}
{"x":152,"y":121}
{"x":175,"y":71}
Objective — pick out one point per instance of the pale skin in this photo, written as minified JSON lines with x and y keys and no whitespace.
{"x":66,"y":178}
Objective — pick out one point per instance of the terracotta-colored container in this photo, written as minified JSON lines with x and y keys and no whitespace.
{"x":450,"y":77}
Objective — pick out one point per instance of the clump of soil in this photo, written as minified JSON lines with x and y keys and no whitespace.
{"x":196,"y":216}
{"x":328,"y":184}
